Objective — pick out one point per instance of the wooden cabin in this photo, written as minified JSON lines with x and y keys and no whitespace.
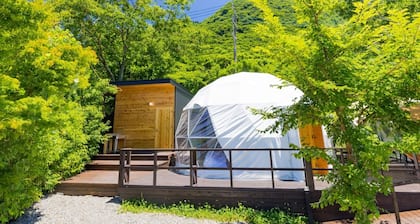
{"x":146,"y":112}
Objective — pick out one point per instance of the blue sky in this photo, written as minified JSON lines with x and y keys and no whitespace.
{"x":202,"y":9}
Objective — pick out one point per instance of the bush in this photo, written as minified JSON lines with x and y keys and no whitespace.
{"x":50,"y":113}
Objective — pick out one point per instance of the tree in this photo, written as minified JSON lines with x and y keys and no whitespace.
{"x":209,"y":51}
{"x":48,"y":104}
{"x":358,"y":70}
{"x":132,"y":39}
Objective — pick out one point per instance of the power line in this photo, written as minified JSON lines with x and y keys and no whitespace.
{"x":214,"y":8}
{"x":203,"y":15}
{"x":204,"y":12}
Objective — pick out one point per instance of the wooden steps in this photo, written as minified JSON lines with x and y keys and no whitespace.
{"x":91,"y":182}
{"x":139,"y":156}
{"x":143,"y":159}
{"x":80,"y":189}
{"x":100,"y":177}
{"x":115,"y":164}
{"x":401,"y":167}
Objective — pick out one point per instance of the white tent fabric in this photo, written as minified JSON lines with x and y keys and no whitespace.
{"x":245,"y":88}
{"x":220,"y":116}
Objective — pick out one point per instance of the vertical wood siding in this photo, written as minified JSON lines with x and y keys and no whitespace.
{"x":144,"y":114}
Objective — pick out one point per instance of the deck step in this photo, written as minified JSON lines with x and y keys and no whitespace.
{"x":79,"y":189}
{"x":401,"y":167}
{"x":115,"y":164}
{"x":143,"y":159}
{"x":138,"y":156}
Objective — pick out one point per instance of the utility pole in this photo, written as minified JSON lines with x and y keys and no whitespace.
{"x":234,"y":27}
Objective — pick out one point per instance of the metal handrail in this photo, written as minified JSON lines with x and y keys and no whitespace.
{"x":126,"y":166}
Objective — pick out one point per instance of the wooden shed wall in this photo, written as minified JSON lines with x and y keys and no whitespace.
{"x":144,"y":114}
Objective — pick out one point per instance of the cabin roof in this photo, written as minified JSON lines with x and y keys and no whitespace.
{"x":178,"y":86}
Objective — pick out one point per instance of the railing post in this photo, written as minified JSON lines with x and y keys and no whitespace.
{"x":341,"y":155}
{"x":396,"y":206}
{"x":128,"y":166}
{"x":154,"y":167}
{"x":191,"y":171}
{"x":121,"y":172}
{"x":193,"y":163}
{"x":271,"y":167}
{"x":416,"y":165}
{"x":230,"y":168}
{"x":309,"y":176}
{"x":115,"y":143}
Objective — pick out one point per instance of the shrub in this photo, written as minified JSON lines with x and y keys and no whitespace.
{"x":50,"y":113}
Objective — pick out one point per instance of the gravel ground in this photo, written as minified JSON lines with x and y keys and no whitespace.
{"x":62,"y":209}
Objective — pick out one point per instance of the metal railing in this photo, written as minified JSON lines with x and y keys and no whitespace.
{"x":126,"y":165}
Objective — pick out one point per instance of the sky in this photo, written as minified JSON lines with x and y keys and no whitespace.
{"x":202,"y":9}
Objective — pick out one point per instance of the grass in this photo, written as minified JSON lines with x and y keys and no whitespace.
{"x":225,"y":215}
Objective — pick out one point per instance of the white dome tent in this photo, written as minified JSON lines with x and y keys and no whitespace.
{"x":220,"y":116}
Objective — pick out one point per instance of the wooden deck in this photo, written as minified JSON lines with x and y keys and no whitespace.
{"x":160,"y":185}
{"x":174,"y":188}
{"x":408,"y":217}
{"x":170,"y":179}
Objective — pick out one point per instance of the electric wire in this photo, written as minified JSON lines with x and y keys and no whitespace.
{"x":205,"y":12}
{"x":201,"y":16}
{"x":205,"y":9}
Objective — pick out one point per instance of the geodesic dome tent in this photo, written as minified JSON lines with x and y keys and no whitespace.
{"x":219,"y":116}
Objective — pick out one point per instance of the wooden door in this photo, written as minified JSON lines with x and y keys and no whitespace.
{"x":164,"y":127}
{"x":312,"y":136}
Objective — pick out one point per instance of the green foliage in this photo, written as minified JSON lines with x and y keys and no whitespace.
{"x":359,"y":70}
{"x":209,"y":51}
{"x":51,"y":114}
{"x":145,"y":41}
{"x":132,"y":40}
{"x":225,"y":214}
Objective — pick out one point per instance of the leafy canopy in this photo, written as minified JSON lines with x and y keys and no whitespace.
{"x":50,"y":104}
{"x":359,"y":71}
{"x":132,"y":39}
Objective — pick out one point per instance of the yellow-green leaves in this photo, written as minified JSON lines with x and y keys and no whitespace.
{"x":358,"y":70}
{"x":50,"y":104}
{"x":59,"y":58}
{"x":365,"y":11}
{"x":133,"y":40}
{"x":9,"y":85}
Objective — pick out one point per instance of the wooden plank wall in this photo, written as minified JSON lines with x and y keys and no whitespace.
{"x":144,"y":114}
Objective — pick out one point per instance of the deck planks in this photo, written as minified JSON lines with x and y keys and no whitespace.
{"x":172,"y":188}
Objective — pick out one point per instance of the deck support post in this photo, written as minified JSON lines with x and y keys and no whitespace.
{"x":308,"y":207}
{"x":396,"y":207}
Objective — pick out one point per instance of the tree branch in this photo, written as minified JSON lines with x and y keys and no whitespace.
{"x":103,"y":60}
